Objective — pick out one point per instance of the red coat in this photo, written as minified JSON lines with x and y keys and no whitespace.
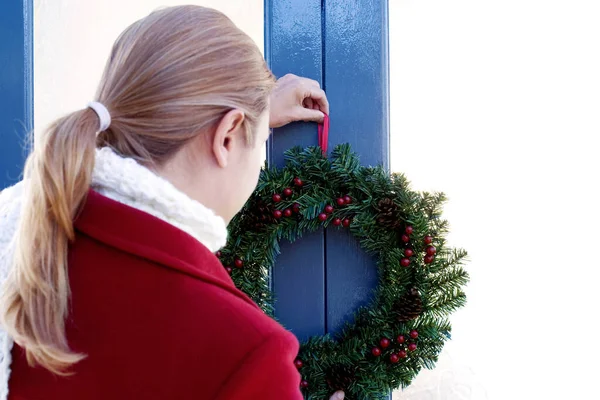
{"x":158,"y":318}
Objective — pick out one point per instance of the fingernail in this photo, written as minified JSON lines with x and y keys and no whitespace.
{"x":340,"y":396}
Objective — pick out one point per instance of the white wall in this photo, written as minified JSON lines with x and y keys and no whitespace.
{"x":497,"y":103}
{"x":72,"y":41}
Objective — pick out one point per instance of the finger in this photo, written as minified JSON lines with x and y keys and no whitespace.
{"x":318,"y":96}
{"x":308,"y":115}
{"x":312,"y":83}
{"x":339,"y":395}
{"x":287,"y":77}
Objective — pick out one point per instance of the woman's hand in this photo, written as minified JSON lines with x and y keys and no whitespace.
{"x":337,"y":396}
{"x":297,"y":99}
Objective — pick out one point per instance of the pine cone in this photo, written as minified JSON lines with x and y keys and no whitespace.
{"x":340,"y":377}
{"x":409,"y":307}
{"x":259,"y":215}
{"x":387,"y":214}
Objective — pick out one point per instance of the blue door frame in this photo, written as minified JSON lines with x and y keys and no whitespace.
{"x":16,"y":86}
{"x":343,"y":44}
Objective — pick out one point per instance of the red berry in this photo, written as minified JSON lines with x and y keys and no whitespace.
{"x":412,"y":347}
{"x":298,"y":182}
{"x":296,"y":208}
{"x":428,"y":239}
{"x":405,"y":262}
{"x":277,"y":214}
{"x":400,"y":339}
{"x":428,"y":259}
{"x":347,"y":199}
{"x":328,"y":209}
{"x":287,"y":212}
{"x":402,"y":354}
{"x":340,"y":201}
{"x":394,"y":358}
{"x":405,"y":238}
{"x":430,"y":250}
{"x":218,"y":254}
{"x":276,"y":197}
{"x":238,"y":263}
{"x":409,"y":252}
{"x":409,"y":230}
{"x":346,"y":222}
{"x":304,"y":384}
{"x":287,"y":192}
{"x":414,"y":334}
{"x":322,"y":217}
{"x":229,"y":270}
{"x":384,"y":343}
{"x":337,"y":222}
{"x":298,"y":363}
{"x":376,"y":351}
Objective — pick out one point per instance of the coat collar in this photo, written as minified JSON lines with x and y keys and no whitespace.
{"x":124,"y":180}
{"x":136,"y":232}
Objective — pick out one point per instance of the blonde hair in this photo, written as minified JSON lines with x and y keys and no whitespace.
{"x":171,"y":76}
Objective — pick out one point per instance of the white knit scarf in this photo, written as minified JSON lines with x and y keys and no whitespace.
{"x":125,"y":181}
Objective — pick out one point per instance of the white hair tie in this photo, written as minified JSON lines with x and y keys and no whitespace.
{"x":103,"y":114}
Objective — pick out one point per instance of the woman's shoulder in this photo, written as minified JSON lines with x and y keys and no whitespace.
{"x":149,"y":315}
{"x":189,"y":297}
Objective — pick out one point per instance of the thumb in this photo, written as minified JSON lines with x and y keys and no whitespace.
{"x":309,"y":115}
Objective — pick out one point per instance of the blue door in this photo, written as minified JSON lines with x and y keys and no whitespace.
{"x":321,"y":279}
{"x":16,"y":86}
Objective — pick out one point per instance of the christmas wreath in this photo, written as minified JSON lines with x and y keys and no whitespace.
{"x":420,"y":279}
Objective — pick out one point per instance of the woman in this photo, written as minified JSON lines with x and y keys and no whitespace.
{"x":113,"y":290}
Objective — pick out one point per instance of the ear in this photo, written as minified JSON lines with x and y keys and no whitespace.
{"x":227,"y":135}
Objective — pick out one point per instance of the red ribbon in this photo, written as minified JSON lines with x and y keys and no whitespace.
{"x":324,"y":134}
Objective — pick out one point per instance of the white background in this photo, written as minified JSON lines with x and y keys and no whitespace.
{"x":495,"y":103}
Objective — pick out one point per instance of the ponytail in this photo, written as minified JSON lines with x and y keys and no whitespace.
{"x":35,"y":299}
